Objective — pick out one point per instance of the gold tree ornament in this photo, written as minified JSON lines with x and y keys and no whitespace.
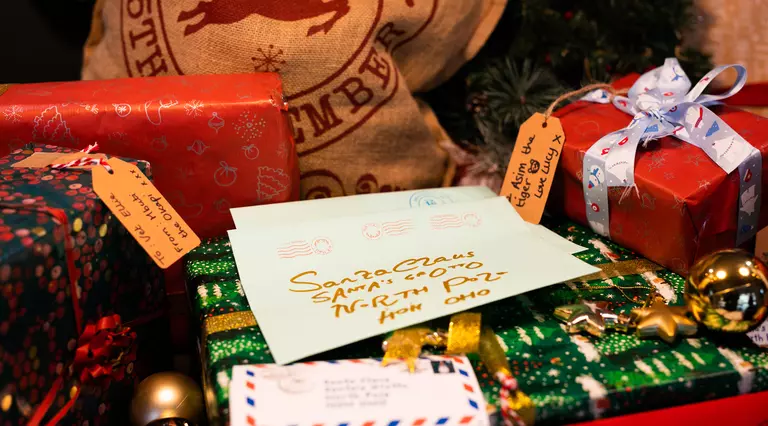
{"x":728,"y":291}
{"x":167,"y":396}
{"x":657,"y":318}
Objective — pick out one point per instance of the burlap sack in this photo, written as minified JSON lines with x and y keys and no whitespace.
{"x":349,"y":68}
{"x":733,"y":32}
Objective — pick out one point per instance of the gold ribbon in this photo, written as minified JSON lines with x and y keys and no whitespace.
{"x":4,"y":88}
{"x":492,"y":355}
{"x":405,"y":345}
{"x":226,"y":322}
{"x":465,"y":335}
{"x":623,"y":268}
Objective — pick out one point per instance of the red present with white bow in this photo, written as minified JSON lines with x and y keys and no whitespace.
{"x":666,"y":171}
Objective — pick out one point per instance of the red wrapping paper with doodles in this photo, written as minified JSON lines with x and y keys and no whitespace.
{"x":685,"y":206}
{"x":214,"y":141}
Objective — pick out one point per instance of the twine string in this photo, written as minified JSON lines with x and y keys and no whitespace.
{"x":586,"y":89}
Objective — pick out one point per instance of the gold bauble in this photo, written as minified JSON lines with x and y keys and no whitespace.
{"x":167,"y":396}
{"x":728,"y":291}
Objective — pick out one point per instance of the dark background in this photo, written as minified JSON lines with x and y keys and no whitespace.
{"x":42,"y":40}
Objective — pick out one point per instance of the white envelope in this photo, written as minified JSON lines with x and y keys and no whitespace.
{"x":357,"y":392}
{"x":318,"y":285}
{"x":355,"y":205}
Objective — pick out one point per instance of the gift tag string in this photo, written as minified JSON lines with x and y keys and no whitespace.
{"x":85,"y":160}
{"x":584,"y":90}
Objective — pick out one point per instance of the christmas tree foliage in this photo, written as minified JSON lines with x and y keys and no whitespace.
{"x":544,"y":48}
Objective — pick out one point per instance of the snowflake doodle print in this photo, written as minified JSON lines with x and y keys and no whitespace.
{"x":194,"y":108}
{"x":268,"y":60}
{"x":122,"y":110}
{"x":249,"y":126}
{"x":13,"y":113}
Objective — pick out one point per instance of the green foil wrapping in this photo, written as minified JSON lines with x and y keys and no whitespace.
{"x":570,"y":378}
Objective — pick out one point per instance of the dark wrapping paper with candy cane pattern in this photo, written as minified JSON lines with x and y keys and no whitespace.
{"x":54,"y":296}
{"x":683,"y":205}
{"x":569,"y":378}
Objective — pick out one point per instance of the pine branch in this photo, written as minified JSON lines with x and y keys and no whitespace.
{"x":513,"y":92}
{"x":544,"y":48}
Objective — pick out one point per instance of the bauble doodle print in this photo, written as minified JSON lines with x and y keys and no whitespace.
{"x":122,"y":110}
{"x":159,"y":143}
{"x":225,"y":175}
{"x":250,"y":151}
{"x":222,"y":206}
{"x":198,"y":147}
{"x":216,"y":122}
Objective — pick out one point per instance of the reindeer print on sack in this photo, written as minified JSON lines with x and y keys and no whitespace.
{"x":231,"y":11}
{"x":328,"y":101}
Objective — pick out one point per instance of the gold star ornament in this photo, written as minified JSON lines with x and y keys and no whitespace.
{"x":656,"y":318}
{"x":591,"y":317}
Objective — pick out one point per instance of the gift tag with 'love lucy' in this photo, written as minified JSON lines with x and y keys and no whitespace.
{"x":144,"y":212}
{"x":532,"y":166}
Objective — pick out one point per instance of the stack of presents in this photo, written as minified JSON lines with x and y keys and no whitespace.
{"x":89,"y":307}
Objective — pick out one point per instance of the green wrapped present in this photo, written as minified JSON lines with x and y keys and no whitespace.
{"x":568,"y":377}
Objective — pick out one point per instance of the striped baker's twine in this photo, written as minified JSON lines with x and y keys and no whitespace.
{"x":85,"y":160}
{"x":508,"y":386}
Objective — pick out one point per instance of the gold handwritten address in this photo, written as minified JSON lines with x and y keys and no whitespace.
{"x":532,"y":166}
{"x":396,"y":290}
{"x":144,"y":212}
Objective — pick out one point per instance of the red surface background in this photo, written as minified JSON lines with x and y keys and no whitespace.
{"x":743,"y":410}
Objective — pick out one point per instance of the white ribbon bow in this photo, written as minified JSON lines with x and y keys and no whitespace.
{"x":661,"y":105}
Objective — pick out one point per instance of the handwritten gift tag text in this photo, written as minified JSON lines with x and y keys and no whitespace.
{"x":144,"y":212}
{"x":532,"y":166}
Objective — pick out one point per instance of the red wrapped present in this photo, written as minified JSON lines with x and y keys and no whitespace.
{"x":214,"y":141}
{"x":676,"y":179}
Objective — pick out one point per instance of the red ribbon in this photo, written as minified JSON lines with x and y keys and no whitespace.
{"x":104,"y":350}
